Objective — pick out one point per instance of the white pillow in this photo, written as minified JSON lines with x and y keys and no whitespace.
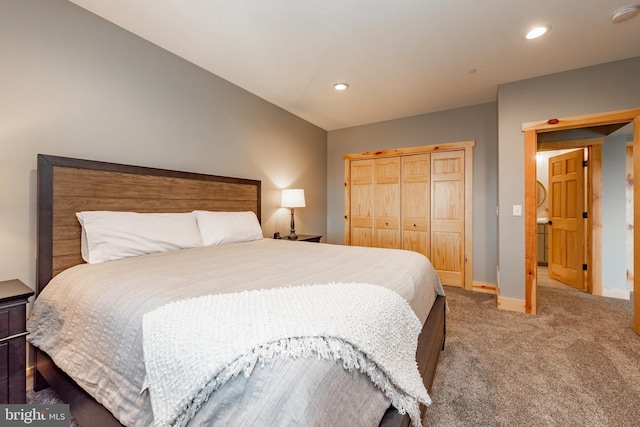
{"x":110,"y":235}
{"x":227,"y":227}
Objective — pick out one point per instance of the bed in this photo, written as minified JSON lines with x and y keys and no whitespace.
{"x":67,"y":186}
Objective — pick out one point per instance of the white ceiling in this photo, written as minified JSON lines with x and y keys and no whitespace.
{"x":400,"y":58}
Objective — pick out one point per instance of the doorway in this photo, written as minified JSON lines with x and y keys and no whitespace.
{"x":531,"y":132}
{"x":562,"y":217}
{"x":577,"y":247}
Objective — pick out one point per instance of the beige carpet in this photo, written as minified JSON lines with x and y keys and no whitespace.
{"x":576,"y":363}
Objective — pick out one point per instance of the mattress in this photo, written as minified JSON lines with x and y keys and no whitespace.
{"x":89,"y":320}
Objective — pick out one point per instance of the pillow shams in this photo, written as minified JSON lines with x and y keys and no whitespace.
{"x":109,"y":235}
{"x":227,"y":227}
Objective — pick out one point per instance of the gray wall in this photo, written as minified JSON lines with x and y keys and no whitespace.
{"x":614,"y":218}
{"x":72,"y":84}
{"x":470,"y":123}
{"x":601,"y":88}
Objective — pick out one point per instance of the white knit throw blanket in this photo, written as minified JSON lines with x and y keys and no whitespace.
{"x":194,"y":346}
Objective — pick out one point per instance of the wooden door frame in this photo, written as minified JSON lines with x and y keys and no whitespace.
{"x":467,"y":146}
{"x":531,"y":131}
{"x":593,"y":203}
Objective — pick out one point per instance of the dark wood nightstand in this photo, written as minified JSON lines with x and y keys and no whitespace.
{"x":305,"y":238}
{"x":13,"y":318}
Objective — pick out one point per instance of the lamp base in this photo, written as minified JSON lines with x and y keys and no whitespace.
{"x":292,"y":234}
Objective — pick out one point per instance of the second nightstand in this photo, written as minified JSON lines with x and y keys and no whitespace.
{"x":13,"y":311}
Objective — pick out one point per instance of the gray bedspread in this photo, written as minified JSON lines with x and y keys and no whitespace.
{"x":89,"y":320}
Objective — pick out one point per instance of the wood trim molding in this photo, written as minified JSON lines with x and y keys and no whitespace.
{"x":594,"y":255}
{"x":586,"y":120}
{"x":512,"y":304}
{"x":486,"y":288}
{"x":447,"y":146}
{"x":574,"y":143}
{"x":530,"y":224}
{"x":509,"y":304}
{"x":636,"y":228}
{"x":468,"y":217}
{"x":347,"y":202}
{"x":629,"y":214}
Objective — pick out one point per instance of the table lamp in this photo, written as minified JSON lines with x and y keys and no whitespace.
{"x":293,"y":198}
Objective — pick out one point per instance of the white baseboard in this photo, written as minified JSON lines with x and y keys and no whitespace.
{"x":616,"y":293}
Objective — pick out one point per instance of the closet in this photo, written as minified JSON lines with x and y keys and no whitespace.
{"x":416,"y":198}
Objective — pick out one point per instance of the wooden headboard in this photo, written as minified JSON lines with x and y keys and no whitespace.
{"x":67,"y":186}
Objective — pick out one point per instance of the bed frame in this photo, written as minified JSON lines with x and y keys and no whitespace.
{"x":67,"y":186}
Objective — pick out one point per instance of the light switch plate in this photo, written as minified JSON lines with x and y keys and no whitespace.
{"x":517,"y":210}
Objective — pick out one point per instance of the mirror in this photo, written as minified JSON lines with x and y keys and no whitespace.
{"x":541,"y":193}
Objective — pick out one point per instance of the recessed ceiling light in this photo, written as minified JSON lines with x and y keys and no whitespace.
{"x":341,"y":86}
{"x":624,"y":14}
{"x":537,"y":32}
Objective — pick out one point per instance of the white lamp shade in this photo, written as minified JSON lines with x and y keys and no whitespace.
{"x":293,"y":198}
